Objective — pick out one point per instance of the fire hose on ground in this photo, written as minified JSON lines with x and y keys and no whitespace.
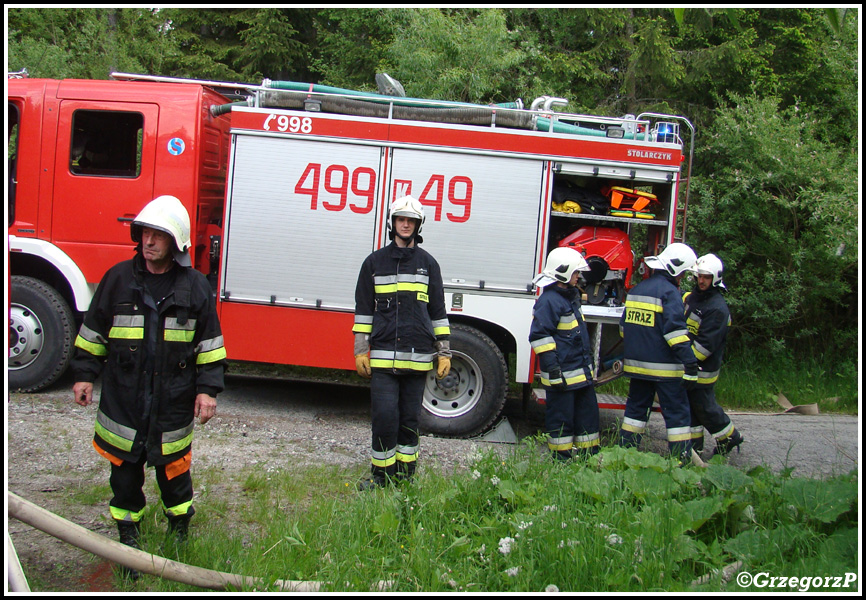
{"x":141,"y":561}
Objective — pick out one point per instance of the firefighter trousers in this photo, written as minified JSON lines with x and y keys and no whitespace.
{"x":571,"y":422}
{"x":396,"y":402}
{"x":127,"y":481}
{"x":674,"y":404}
{"x":706,"y":412}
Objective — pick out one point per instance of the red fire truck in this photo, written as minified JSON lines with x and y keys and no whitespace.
{"x":288,"y":186}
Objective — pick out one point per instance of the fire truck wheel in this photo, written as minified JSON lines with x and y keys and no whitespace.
{"x":41,"y":334}
{"x":468,"y":400}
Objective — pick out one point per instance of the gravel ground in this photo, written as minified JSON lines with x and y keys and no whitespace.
{"x":275,"y":424}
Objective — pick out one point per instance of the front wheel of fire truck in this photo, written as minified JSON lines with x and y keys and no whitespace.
{"x":41,"y":334}
{"x":468,"y":400}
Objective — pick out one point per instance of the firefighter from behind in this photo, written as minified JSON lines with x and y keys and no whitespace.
{"x":658,"y":356}
{"x":401,"y":334}
{"x":708,"y":320}
{"x":560,"y":340}
{"x":152,"y":332}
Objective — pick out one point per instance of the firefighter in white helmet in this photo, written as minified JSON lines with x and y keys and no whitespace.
{"x":152,"y":330}
{"x":401,"y":334}
{"x":560,"y":340}
{"x":708,"y":319}
{"x":658,"y":355}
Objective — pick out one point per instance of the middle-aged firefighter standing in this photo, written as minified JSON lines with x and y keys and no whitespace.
{"x":401,"y":326}
{"x":152,"y":331}
{"x":560,"y":340}
{"x":658,"y":354}
{"x":708,"y":319}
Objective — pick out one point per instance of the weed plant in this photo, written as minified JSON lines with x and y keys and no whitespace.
{"x":622,"y":521}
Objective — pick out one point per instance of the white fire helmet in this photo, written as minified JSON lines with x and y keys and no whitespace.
{"x":407,"y":206}
{"x":561,"y":265}
{"x":676,"y":259}
{"x":710,"y":264}
{"x":166,"y":214}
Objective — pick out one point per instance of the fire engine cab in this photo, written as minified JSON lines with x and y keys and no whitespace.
{"x":288,"y":187}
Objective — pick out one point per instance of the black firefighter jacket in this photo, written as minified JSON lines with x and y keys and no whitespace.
{"x":708,"y":319}
{"x":653,"y":326}
{"x":559,"y":337}
{"x":154,"y":361}
{"x":400,"y":303}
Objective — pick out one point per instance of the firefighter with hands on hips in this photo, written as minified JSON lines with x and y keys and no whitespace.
{"x":401,"y":333}
{"x":658,"y":356}
{"x":708,"y":319}
{"x":153,"y":333}
{"x":560,"y":340}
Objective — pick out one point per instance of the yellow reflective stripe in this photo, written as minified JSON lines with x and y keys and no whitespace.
{"x":401,"y":286}
{"x":127,"y":333}
{"x":560,"y":443}
{"x":382,"y":363}
{"x":651,"y":306}
{"x":545,"y":348}
{"x":680,"y":339}
{"x":362,"y":328}
{"x":179,"y":510}
{"x":406,"y":458}
{"x":679,"y":434}
{"x":120,"y":514}
{"x":586,"y":441}
{"x":633,"y":425}
{"x":176,"y":445}
{"x":112,"y":438}
{"x":178,"y":335}
{"x":387,"y":462}
{"x":442,"y":331}
{"x":209,"y":357}
{"x":95,"y":349}
{"x":567,"y":322}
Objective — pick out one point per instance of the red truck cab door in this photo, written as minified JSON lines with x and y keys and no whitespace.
{"x":103,"y":177}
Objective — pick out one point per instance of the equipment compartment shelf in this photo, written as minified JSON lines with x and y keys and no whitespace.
{"x":585,"y":216}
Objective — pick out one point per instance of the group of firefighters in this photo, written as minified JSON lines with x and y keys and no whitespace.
{"x":153,"y":333}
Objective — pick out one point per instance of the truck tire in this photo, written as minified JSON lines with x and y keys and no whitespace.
{"x":469,"y":399}
{"x":41,"y":335}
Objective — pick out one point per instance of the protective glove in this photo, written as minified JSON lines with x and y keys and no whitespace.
{"x":690,"y":376}
{"x":362,"y":365}
{"x":444,"y":367}
{"x":556,"y":374}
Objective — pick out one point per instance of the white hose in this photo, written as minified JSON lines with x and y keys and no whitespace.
{"x":152,"y":564}
{"x":17,"y":581}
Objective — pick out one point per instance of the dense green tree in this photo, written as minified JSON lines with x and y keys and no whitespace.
{"x":780,"y":209}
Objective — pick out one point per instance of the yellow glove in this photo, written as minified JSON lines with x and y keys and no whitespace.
{"x":444,"y":367}
{"x":362,"y":365}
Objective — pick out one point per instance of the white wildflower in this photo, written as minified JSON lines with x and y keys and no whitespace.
{"x":512,"y":571}
{"x":476,"y":474}
{"x":550,"y":507}
{"x":524,"y":525}
{"x":494,"y":480}
{"x":505,"y":545}
{"x":551,"y":589}
{"x":613,"y":539}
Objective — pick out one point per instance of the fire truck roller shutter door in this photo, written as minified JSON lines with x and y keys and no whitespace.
{"x":469,"y":399}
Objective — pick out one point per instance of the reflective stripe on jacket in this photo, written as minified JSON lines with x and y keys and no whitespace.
{"x":153,"y":361}
{"x":400,"y":304}
{"x":653,"y":326}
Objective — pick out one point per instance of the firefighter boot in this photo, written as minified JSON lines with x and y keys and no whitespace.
{"x":130,"y":533}
{"x":379,"y":478}
{"x":725,"y":446}
{"x":405,"y":471}
{"x":178,"y":528}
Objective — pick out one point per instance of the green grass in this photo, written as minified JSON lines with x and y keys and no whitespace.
{"x":753,"y":383}
{"x":629,"y":521}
